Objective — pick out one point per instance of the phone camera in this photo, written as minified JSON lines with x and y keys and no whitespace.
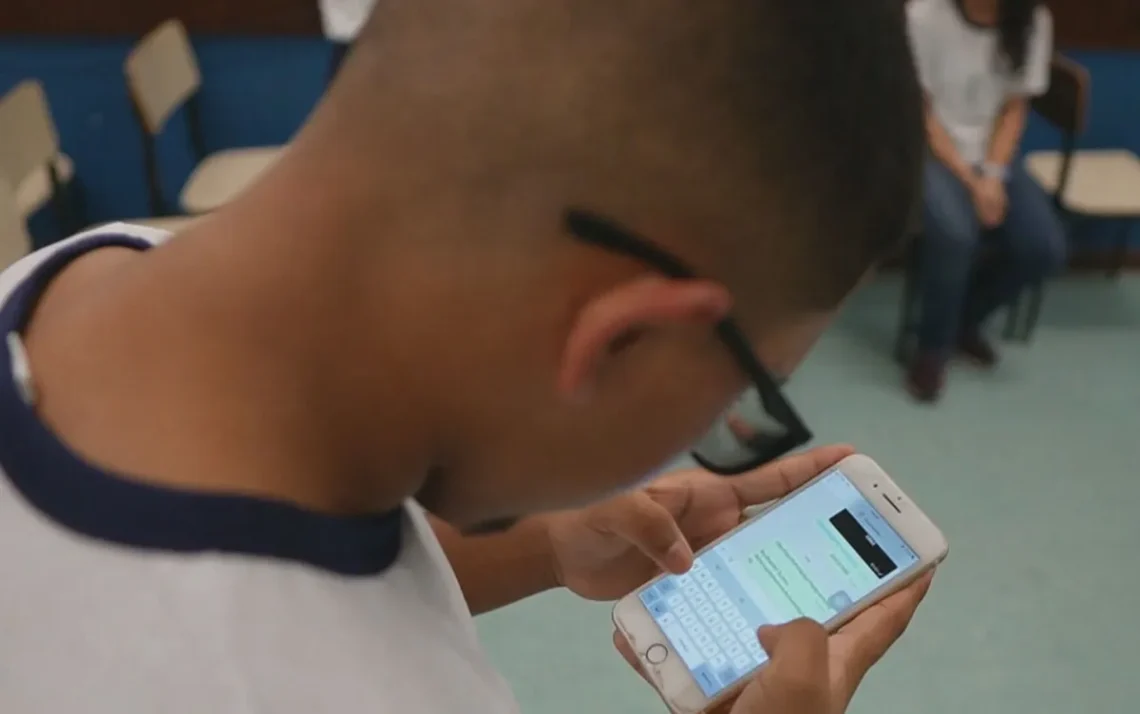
{"x":875,"y":485}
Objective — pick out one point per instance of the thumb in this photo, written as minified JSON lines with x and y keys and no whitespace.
{"x":652,"y":529}
{"x":796,"y":679}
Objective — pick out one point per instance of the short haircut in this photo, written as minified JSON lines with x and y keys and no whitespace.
{"x":854,"y":121}
{"x":797,"y":123}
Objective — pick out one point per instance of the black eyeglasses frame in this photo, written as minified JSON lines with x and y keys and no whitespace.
{"x":594,"y":230}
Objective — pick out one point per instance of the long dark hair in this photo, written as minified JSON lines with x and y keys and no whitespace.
{"x":1015,"y":24}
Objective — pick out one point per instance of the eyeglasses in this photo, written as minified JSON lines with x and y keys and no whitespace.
{"x":760,"y":425}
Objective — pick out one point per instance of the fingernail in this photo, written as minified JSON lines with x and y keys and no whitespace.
{"x":764,"y":633}
{"x":679,"y":558}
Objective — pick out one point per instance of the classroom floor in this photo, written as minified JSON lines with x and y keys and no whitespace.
{"x":1032,"y":472}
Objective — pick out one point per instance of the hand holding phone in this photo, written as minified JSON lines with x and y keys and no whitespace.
{"x":797,"y":679}
{"x":797,"y":672}
{"x":810,"y":672}
{"x":847,"y":550}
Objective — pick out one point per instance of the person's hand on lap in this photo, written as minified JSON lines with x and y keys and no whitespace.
{"x":990,"y":201}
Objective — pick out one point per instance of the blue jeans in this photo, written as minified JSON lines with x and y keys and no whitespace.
{"x":958,"y":295}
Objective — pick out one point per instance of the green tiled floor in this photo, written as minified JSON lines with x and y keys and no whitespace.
{"x":1032,"y":471}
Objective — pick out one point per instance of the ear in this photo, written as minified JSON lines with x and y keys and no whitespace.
{"x":614,"y":319}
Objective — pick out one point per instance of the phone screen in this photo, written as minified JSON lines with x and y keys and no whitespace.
{"x":813,"y":555}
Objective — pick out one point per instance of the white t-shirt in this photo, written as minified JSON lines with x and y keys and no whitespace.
{"x":343,"y":19}
{"x":965,"y":76}
{"x":122,"y":598}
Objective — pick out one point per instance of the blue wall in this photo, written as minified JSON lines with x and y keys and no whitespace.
{"x":255,"y":91}
{"x":258,"y":91}
{"x":1114,"y":115}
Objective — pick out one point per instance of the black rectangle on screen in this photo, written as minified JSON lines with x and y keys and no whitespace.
{"x":875,"y":557}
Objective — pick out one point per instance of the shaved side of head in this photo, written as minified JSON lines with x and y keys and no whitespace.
{"x":777,"y":144}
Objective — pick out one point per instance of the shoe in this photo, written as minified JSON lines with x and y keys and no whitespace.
{"x":926,"y":377}
{"x":978,"y":350}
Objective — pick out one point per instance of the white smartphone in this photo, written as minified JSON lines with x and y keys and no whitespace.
{"x":846,"y":539}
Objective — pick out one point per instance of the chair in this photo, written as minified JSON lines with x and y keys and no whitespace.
{"x":162,"y":76}
{"x":911,"y":308}
{"x":30,"y":156}
{"x":1096,"y":184}
{"x":15,"y":242}
{"x":31,"y":161}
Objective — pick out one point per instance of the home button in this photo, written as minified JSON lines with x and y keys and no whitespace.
{"x":656,"y":654}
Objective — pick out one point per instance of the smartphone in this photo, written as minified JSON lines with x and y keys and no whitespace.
{"x":846,"y":539}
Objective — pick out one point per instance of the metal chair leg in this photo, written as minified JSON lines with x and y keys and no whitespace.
{"x":903,"y":335}
{"x":1012,"y":319}
{"x":69,"y":206}
{"x":1036,"y":298}
{"x":1120,"y":257}
{"x":77,"y":198}
{"x":63,"y":204}
{"x":908,"y":311}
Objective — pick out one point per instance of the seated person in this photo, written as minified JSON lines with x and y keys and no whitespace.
{"x":979,"y":61}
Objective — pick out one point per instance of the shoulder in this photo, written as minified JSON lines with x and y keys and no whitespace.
{"x":925,"y":13}
{"x":17,"y":271}
{"x":151,"y":235}
{"x":929,"y":20}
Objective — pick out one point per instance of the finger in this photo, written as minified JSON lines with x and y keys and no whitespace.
{"x":796,"y":677}
{"x":781,"y":477}
{"x":624,"y":649}
{"x":987,"y":213}
{"x":652,"y":528}
{"x":862,"y":642}
{"x":723,"y":708}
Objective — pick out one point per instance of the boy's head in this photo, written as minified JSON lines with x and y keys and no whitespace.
{"x":772,"y":147}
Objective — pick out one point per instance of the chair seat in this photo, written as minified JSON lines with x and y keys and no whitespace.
{"x":35,"y":190}
{"x":223,"y":175}
{"x":13,"y":246}
{"x":1104,"y":183}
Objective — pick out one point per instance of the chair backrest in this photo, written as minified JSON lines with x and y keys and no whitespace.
{"x":162,"y":74}
{"x":14,"y":240}
{"x":1065,"y":105}
{"x":28,"y":138}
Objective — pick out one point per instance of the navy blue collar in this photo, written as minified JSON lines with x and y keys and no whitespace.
{"x":110,"y":507}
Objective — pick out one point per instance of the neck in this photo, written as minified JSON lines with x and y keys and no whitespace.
{"x":240,"y":358}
